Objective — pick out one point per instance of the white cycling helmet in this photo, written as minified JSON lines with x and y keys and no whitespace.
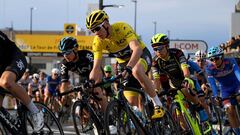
{"x":200,"y":54}
{"x":35,"y":76}
{"x":55,"y":71}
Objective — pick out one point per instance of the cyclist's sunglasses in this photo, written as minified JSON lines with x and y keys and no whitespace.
{"x":159,"y":48}
{"x":65,"y":53}
{"x":215,"y":58}
{"x":108,"y":72}
{"x":96,"y":29}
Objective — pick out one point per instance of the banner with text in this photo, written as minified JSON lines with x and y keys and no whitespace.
{"x":48,"y":43}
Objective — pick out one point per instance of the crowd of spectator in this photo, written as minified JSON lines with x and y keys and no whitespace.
{"x":232,"y":45}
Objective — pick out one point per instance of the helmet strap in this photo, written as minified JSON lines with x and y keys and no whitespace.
{"x":107,"y":30}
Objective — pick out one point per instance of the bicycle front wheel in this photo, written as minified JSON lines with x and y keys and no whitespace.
{"x":117,"y":121}
{"x":180,"y":119}
{"x":51,"y":124}
{"x":167,"y":125}
{"x":82,"y":120}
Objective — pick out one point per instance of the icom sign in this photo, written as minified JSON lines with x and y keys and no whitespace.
{"x":190,"y":46}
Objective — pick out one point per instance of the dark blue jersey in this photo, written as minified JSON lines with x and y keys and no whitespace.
{"x":228,"y":77}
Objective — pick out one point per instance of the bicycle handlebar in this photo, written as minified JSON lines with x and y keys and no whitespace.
{"x":89,"y":85}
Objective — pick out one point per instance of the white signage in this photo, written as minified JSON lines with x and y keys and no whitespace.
{"x":189,"y":46}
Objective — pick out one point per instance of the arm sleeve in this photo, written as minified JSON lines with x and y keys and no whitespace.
{"x":97,"y":48}
{"x":64,"y":73}
{"x":213,"y":85}
{"x":236,"y":69}
{"x":155,"y":71}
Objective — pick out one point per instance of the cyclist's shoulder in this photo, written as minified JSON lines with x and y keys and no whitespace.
{"x":229,"y":60}
{"x":85,"y":56}
{"x":175,"y":51}
{"x":122,"y":25}
{"x":4,"y":40}
{"x":84,"y":53}
{"x":48,"y":78}
{"x":122,"y":30}
{"x":3,"y":37}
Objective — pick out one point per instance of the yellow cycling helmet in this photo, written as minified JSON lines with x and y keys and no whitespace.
{"x":96,"y":18}
{"x":159,"y":39}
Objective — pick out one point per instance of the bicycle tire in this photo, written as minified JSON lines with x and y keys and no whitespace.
{"x":51,"y":124}
{"x":83,"y":121}
{"x":167,"y":125}
{"x":3,"y":130}
{"x":183,"y":125}
{"x":218,"y":127}
{"x":115,"y":115}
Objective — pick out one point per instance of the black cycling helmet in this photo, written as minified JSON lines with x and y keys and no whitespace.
{"x":67,"y":43}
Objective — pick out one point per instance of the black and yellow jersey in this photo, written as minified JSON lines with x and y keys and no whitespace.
{"x":118,"y":43}
{"x":171,"y":67}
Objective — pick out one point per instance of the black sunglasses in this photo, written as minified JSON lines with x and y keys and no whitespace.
{"x":201,"y":60}
{"x":65,"y":53}
{"x":107,"y":71}
{"x":215,"y":58}
{"x":96,"y":29}
{"x":159,"y":48}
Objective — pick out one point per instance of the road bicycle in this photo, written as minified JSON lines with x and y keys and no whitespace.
{"x":19,"y":122}
{"x":225,"y":127}
{"x":61,"y":112}
{"x":217,"y":113}
{"x":121,"y":118}
{"x":184,"y":114}
{"x":86,"y":114}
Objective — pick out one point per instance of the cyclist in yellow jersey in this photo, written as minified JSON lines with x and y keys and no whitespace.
{"x":120,"y":40}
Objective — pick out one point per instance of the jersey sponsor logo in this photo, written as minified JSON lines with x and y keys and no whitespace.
{"x":63,"y":67}
{"x":20,"y":64}
{"x":89,"y":56}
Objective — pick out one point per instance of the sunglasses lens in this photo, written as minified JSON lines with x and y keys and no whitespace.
{"x":158,"y":48}
{"x":96,"y":29}
{"x":201,"y":60}
{"x":107,"y":72}
{"x":67,"y":52}
{"x":214,"y":58}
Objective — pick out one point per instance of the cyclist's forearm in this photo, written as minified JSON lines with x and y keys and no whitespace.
{"x":63,"y":87}
{"x":213,"y":85}
{"x":157,"y":84}
{"x":237,"y":72}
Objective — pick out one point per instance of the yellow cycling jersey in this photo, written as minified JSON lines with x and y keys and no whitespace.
{"x":118,"y":42}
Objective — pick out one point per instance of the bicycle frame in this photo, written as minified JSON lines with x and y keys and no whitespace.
{"x":179,"y":98}
{"x":86,"y":102}
{"x":86,"y":96}
{"x":124,"y":102}
{"x":21,"y":111}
